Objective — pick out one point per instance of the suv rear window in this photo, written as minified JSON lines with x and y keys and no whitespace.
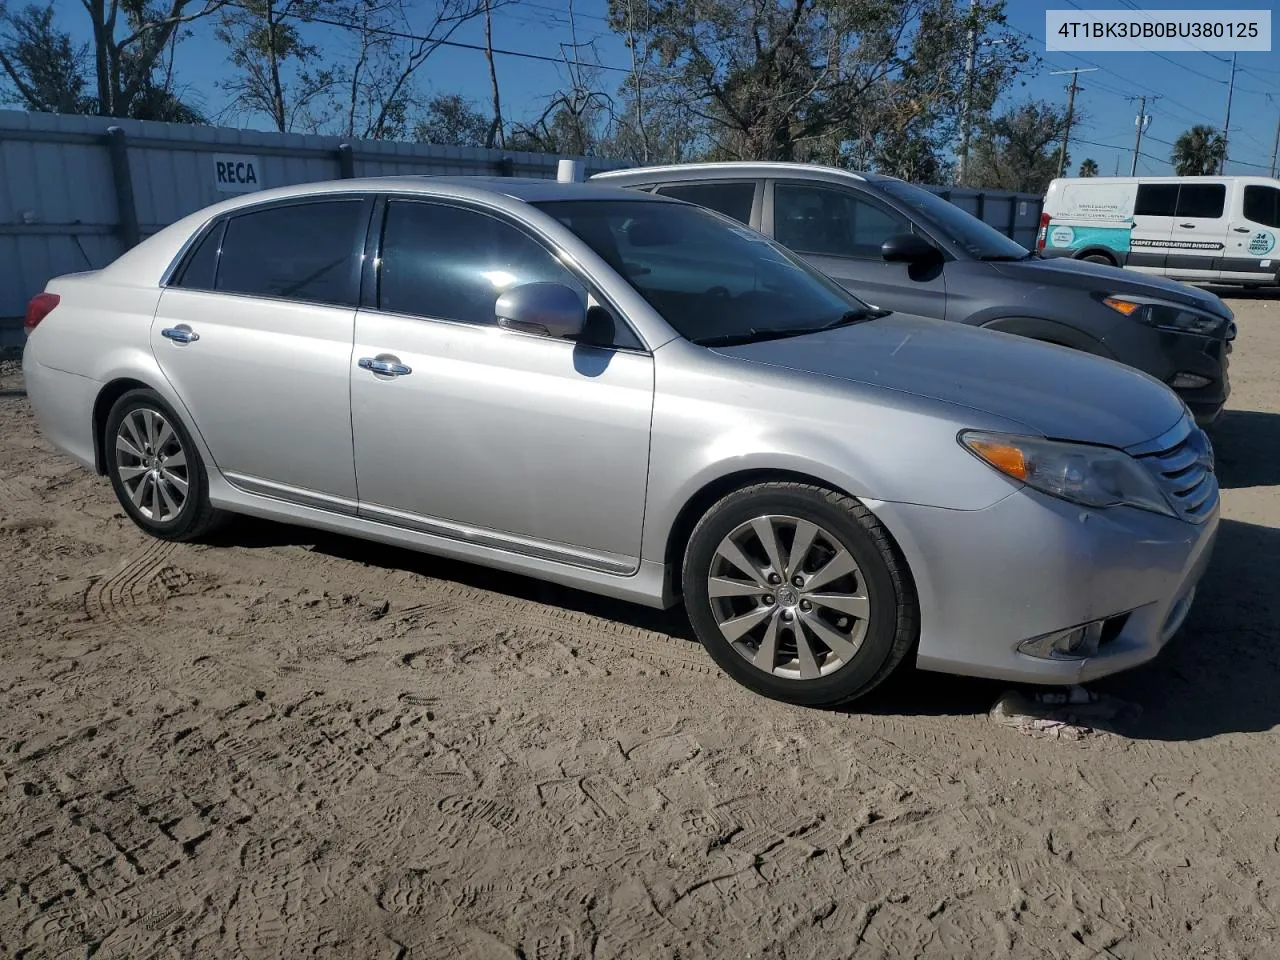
{"x":731,"y":199}
{"x":302,"y":251}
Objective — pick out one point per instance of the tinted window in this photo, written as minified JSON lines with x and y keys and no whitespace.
{"x":452,"y":264}
{"x":978,"y":239}
{"x":200,"y":268}
{"x":303,"y":251}
{"x":706,"y":275}
{"x":1262,"y":205}
{"x":1202,"y":200}
{"x":811,"y":219}
{"x":731,"y":199}
{"x":1156,"y":199}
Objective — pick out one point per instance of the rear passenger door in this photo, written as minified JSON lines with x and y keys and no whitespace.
{"x":840,"y":231}
{"x":1252,"y":234}
{"x":739,"y":199}
{"x":1153,"y":211}
{"x":1197,"y":242}
{"x":254,"y":332}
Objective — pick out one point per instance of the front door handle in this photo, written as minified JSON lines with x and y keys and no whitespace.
{"x":1187,"y":226}
{"x":386,"y":366}
{"x":180,"y":334}
{"x":1241,"y":229}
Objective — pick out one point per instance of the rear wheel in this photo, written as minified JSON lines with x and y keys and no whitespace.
{"x":1099,"y":258}
{"x":798,"y":594}
{"x":156,"y":470}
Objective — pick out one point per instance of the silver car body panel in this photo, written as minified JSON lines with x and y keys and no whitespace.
{"x":580,"y":466}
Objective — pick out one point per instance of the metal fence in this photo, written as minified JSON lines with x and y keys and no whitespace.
{"x":75,"y":192}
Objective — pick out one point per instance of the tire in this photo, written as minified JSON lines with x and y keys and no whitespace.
{"x":144,"y":441}
{"x":1099,"y":258}
{"x":851,"y":648}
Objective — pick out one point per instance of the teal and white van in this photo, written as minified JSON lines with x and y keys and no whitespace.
{"x":1200,"y":229}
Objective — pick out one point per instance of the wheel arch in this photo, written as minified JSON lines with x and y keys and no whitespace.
{"x":111,"y":391}
{"x":706,"y":496}
{"x":1050,"y":331}
{"x":1106,"y":252}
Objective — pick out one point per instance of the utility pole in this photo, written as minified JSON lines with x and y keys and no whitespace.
{"x":1275,"y":149}
{"x":1071,"y":106}
{"x":1141,"y":122}
{"x":1226,"y":128}
{"x":969,"y":67}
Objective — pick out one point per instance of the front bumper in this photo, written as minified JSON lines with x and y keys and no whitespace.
{"x":1031,"y":565}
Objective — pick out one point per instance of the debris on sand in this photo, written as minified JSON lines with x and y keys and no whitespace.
{"x":1070,"y":714}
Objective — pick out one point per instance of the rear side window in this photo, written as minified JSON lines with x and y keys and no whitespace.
{"x":731,"y":199}
{"x":1262,"y":205}
{"x":303,"y":251}
{"x":1204,"y":200}
{"x":200,"y":270}
{"x":449,"y":263}
{"x":1156,"y":199}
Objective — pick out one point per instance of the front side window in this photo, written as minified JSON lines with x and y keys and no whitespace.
{"x":1156,"y":200}
{"x":1262,"y":205}
{"x":838,"y":223}
{"x":707,"y":276}
{"x":731,"y":199}
{"x":450,"y":263}
{"x":300,"y":251}
{"x":1202,"y":200}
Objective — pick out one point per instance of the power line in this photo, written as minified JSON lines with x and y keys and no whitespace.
{"x":457,"y":44}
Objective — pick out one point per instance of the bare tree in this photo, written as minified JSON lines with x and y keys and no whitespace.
{"x":273,"y":61}
{"x":379,"y":90}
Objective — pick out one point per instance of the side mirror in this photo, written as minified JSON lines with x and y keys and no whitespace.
{"x":909,"y":248}
{"x":547,"y":308}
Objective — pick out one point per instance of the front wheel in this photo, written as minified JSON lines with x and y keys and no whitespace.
{"x":798,"y":594}
{"x":155,"y":469}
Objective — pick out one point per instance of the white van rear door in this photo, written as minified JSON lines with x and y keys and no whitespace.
{"x":1252,"y":235}
{"x":1198,"y":241}
{"x":1153,"y":209}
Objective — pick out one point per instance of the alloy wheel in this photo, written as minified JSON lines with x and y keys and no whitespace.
{"x":152,"y":464}
{"x":788,"y":597}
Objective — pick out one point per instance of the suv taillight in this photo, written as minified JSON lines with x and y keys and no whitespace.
{"x":1043,"y":233}
{"x":41,"y":306}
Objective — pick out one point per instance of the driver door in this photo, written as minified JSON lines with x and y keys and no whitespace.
{"x":840,"y":231}
{"x":502,"y":439}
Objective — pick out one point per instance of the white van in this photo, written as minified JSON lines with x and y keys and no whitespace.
{"x":1201,"y":229}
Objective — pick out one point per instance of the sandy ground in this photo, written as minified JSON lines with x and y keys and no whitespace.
{"x":280,"y":745}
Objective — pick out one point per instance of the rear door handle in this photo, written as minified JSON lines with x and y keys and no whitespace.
{"x":180,"y":334}
{"x":1240,"y":229}
{"x":386,"y":366}
{"x":1187,"y":226}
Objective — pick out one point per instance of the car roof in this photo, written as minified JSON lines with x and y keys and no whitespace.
{"x":522,"y":189}
{"x":728,"y":169}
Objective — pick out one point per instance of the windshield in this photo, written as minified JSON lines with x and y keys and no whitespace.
{"x":977,"y":238}
{"x":712,"y":279}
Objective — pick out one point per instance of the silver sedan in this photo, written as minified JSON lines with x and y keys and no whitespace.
{"x":637,"y":397}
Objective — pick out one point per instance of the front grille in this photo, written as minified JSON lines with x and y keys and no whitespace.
{"x":1182,"y":461}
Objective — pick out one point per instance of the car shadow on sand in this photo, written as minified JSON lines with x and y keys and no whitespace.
{"x":1219,"y":675}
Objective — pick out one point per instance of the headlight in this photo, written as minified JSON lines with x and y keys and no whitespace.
{"x":1165,"y":316}
{"x":1080,"y":473}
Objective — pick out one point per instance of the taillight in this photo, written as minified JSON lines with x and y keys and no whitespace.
{"x":40,"y":307}
{"x":1043,"y":233}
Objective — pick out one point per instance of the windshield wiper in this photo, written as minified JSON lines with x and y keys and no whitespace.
{"x":759,"y":334}
{"x":1006,"y":257}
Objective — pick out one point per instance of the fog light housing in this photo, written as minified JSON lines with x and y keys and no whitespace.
{"x":1078,"y":643}
{"x":1188,"y":381}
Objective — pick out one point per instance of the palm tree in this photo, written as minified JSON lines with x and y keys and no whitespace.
{"x":1198,"y":152}
{"x":1088,"y":168}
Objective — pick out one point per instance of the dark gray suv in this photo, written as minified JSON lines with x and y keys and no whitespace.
{"x":902,"y":248}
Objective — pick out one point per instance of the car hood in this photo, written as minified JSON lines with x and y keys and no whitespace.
{"x":1105,"y":279}
{"x":1058,"y":392}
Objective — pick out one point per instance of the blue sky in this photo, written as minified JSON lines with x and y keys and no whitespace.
{"x":1192,"y":87}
